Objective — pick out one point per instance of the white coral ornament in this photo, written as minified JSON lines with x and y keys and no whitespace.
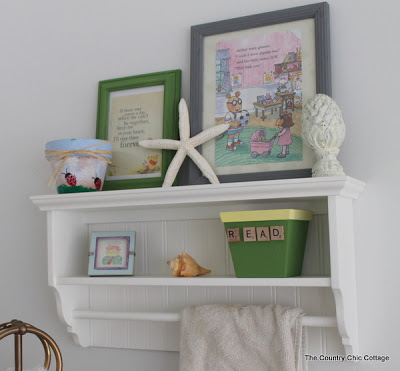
{"x":324,"y":131}
{"x":186,"y":146}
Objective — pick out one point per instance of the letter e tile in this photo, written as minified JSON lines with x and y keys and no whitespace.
{"x":233,"y":234}
{"x":277,"y":233}
{"x":263,"y":234}
{"x":249,"y":234}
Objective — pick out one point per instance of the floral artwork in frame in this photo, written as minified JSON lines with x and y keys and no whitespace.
{"x":111,"y":253}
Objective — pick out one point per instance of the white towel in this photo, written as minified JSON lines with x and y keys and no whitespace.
{"x":237,"y":338}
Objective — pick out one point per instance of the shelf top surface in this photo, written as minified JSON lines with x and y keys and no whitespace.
{"x":196,"y":281}
{"x":203,"y":194}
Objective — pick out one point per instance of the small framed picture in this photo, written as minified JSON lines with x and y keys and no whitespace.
{"x":111,"y":253}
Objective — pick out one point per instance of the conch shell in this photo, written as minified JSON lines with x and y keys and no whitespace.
{"x":185,"y":266}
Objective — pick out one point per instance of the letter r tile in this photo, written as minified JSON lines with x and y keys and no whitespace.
{"x":233,"y":234}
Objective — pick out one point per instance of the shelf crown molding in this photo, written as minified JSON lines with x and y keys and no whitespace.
{"x":190,"y":195}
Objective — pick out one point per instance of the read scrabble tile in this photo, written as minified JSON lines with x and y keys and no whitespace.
{"x":277,"y":233}
{"x":233,"y":234}
{"x":263,"y":234}
{"x":249,"y":234}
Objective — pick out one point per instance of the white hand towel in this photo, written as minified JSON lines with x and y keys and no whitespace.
{"x":237,"y":338}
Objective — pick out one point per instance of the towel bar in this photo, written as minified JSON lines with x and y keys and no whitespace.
{"x":309,"y":321}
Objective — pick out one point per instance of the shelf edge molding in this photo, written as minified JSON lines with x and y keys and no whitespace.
{"x":209,"y":193}
{"x":197,"y":281}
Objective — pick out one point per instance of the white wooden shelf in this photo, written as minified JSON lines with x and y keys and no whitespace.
{"x":142,"y":312}
{"x":198,"y":281}
{"x":203,"y":194}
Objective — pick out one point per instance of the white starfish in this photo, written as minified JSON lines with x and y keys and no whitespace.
{"x":186,"y":146}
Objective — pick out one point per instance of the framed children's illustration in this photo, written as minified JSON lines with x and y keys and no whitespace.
{"x":111,"y":253}
{"x":256,"y":73}
{"x":132,"y":109}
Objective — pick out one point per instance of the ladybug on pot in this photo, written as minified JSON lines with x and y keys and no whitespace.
{"x":97,"y":183}
{"x":70,"y":179}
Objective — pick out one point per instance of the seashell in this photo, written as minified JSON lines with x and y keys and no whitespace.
{"x":185,"y":266}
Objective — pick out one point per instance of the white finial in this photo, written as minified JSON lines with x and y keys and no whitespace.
{"x":324,"y":131}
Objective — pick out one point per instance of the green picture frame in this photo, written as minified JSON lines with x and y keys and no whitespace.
{"x":121,"y":95}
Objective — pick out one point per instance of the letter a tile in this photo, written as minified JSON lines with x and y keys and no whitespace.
{"x":263,"y":234}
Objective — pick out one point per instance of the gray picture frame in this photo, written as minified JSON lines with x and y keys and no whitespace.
{"x":319,"y":12}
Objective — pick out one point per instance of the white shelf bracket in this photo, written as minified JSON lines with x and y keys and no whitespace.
{"x":343,"y":269}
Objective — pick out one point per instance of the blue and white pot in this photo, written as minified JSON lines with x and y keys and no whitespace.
{"x":81,"y":171}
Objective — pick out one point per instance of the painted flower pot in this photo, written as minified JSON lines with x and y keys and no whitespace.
{"x":79,"y":165}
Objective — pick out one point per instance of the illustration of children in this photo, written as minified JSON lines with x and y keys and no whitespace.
{"x":237,"y":119}
{"x":284,"y":123}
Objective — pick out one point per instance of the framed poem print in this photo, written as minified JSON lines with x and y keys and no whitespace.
{"x":256,"y":73}
{"x":132,"y":109}
{"x":111,"y":253}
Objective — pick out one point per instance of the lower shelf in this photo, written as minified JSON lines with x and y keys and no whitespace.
{"x":197,"y":281}
{"x":143,"y":312}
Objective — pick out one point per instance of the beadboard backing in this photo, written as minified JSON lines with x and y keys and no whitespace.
{"x":161,"y":237}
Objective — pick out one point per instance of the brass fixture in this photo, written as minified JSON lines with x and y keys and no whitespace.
{"x":19,"y":328}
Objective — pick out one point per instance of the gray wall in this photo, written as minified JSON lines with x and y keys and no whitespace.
{"x":53,"y":53}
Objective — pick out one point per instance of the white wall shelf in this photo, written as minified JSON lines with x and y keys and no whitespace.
{"x":198,"y":281}
{"x":142,"y":312}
